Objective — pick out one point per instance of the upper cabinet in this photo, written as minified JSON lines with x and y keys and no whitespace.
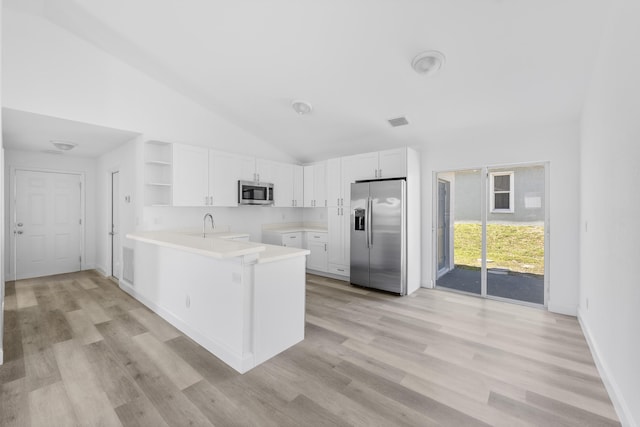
{"x":287,"y":183}
{"x":315,"y":185}
{"x":334,"y":182}
{"x":190,"y":175}
{"x":225,"y":170}
{"x":342,"y":172}
{"x":204,"y":177}
{"x":157,"y":173}
{"x":392,"y":163}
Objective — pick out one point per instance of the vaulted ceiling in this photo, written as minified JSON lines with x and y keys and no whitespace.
{"x":507,"y":61}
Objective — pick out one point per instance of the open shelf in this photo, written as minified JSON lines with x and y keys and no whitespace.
{"x":158,"y":170}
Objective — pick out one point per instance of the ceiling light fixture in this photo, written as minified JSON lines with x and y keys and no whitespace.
{"x":428,"y":62}
{"x":301,"y":107}
{"x":64,"y":145}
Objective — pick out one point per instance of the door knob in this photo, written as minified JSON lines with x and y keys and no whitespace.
{"x":20,"y":224}
{"x":19,"y":232}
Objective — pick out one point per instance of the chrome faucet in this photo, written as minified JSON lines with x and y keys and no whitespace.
{"x":204,"y":224}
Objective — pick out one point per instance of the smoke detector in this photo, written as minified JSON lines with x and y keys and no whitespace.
{"x":398,"y":121}
{"x":428,"y":62}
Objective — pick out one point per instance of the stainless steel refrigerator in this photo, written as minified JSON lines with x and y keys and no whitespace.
{"x":378,"y":235}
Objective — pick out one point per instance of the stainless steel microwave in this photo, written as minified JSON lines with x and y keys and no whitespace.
{"x":255,"y":193}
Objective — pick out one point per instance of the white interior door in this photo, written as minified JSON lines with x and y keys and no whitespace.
{"x":47,"y":224}
{"x":116,"y":248}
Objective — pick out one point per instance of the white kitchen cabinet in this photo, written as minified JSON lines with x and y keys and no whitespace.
{"x":293,"y":240}
{"x":298,"y":186}
{"x":190,"y":175}
{"x":392,"y":163}
{"x":225,"y":170}
{"x":158,"y":162}
{"x":266,"y":170}
{"x":315,"y":186}
{"x":287,"y":183}
{"x":204,"y":177}
{"x":317,"y":245}
{"x":338,"y":240}
{"x":289,"y":239}
{"x":355,"y":168}
{"x":334,"y":182}
{"x":342,"y":172}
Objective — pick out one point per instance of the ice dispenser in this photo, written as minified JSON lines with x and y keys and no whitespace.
{"x":359,"y":219}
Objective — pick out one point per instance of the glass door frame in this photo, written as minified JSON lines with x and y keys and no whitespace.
{"x":484,"y":205}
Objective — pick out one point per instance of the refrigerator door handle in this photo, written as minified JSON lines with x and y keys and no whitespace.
{"x":369,"y":225}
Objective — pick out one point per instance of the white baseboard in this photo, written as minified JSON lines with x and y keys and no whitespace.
{"x":101,"y":271}
{"x":327,"y":274}
{"x":1,"y":356}
{"x":241,"y":363}
{"x":619,"y":403}
{"x":567,"y":310}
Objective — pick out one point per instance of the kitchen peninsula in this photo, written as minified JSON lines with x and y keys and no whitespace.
{"x":242,"y":301}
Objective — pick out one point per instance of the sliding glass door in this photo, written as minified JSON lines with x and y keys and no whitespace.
{"x":490,"y":226}
{"x":459,"y":231}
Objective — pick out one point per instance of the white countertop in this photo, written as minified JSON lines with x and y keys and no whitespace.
{"x":294,"y":229}
{"x":216,"y":245}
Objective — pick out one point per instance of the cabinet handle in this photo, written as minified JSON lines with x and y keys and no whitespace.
{"x":379,"y":173}
{"x":338,"y":201}
{"x":325,"y":247}
{"x":376,"y":172}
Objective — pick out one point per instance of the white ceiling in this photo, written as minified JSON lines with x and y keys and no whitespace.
{"x":33,"y":132}
{"x":508,"y":61}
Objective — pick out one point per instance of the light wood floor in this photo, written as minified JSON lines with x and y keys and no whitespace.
{"x":79,"y":351}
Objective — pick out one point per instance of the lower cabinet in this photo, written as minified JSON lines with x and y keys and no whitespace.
{"x":317,"y":244}
{"x":338,"y":242}
{"x":292,"y":240}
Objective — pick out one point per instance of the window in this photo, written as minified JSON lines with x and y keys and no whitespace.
{"x":501,"y":192}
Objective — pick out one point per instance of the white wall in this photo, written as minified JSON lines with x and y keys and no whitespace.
{"x":47,"y":70}
{"x":473,"y":148}
{"x":60,"y":163}
{"x":1,"y":215}
{"x":123,"y":160}
{"x":610,"y":211}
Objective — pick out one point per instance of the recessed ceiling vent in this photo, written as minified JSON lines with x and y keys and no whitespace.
{"x":398,"y":121}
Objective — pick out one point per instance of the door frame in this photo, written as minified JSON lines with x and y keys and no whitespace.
{"x":12,"y":209}
{"x":447,"y":231}
{"x":113,"y":206}
{"x":484,"y":202}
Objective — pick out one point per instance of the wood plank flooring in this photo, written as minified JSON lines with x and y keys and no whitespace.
{"x":79,"y":351}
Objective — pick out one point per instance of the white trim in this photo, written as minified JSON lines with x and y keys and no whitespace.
{"x":620,"y":405}
{"x":492,"y":192}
